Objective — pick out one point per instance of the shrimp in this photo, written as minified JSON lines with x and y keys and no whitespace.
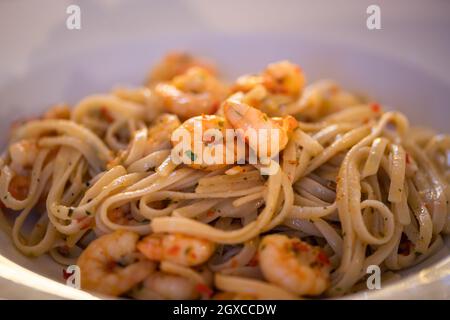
{"x":323,"y":98}
{"x":294,"y":265}
{"x":284,"y":77}
{"x":192,"y":93}
{"x":59,"y":111}
{"x":111,"y":265}
{"x":208,"y":141}
{"x":166,"y":286}
{"x":177,"y":248}
{"x":160,"y":132}
{"x":176,"y":63}
{"x":23,"y":153}
{"x":273,"y":91}
{"x":243,"y":116}
{"x":281,"y":77}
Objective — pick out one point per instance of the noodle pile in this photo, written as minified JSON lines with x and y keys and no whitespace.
{"x":354,"y":180}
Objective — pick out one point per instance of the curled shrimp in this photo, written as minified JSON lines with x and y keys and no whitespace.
{"x":211,"y":126}
{"x":274,"y":90}
{"x":294,"y":265}
{"x":192,"y":93}
{"x":160,"y":285}
{"x":323,"y":98}
{"x":59,"y":111}
{"x":177,"y":248}
{"x":243,"y":116}
{"x":111,"y":264}
{"x":281,"y":77}
{"x":23,"y":153}
{"x":284,"y":77}
{"x":176,"y":63}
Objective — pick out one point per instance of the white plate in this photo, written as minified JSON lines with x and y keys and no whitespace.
{"x":423,"y":98}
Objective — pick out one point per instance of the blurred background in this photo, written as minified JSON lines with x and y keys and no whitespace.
{"x":416,"y":31}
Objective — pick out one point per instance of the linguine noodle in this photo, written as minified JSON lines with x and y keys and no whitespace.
{"x":354,"y":180}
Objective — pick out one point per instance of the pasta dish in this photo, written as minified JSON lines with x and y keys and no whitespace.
{"x":190,"y":187}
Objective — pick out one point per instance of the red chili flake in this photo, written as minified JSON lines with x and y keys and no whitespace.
{"x":84,"y":222}
{"x":66,"y":274}
{"x":254,"y":261}
{"x":408,"y":161}
{"x":105,"y":113}
{"x":111,"y":265}
{"x":322,"y":257}
{"x":375,"y":107}
{"x":174,"y":250}
{"x":86,"y":226}
{"x":210,"y":213}
{"x":204,"y":290}
{"x":300,"y":247}
{"x":65,"y":250}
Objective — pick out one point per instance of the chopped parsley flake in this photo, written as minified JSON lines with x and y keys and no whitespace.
{"x":191,"y":155}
